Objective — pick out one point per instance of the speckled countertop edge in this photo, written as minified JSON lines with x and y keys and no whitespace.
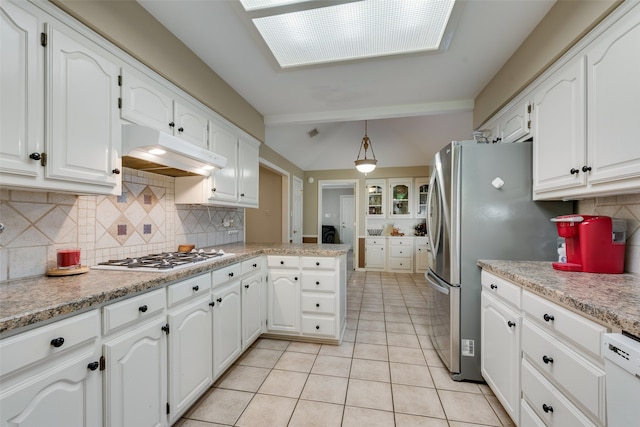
{"x":612,"y":299}
{"x":26,"y":302}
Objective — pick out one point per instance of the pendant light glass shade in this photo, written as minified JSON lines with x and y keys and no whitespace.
{"x":366,"y":165}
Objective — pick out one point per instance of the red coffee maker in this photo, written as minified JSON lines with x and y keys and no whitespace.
{"x":593,"y":243}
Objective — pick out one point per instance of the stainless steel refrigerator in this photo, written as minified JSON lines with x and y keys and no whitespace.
{"x":479,"y":206}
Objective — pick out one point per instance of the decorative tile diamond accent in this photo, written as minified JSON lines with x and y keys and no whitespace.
{"x":146,"y":229}
{"x":122,"y":229}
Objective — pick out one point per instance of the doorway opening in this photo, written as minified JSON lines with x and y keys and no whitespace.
{"x":338,"y":214}
{"x":269,"y":223}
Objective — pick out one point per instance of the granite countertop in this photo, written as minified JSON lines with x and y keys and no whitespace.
{"x":26,"y":302}
{"x":612,"y":299}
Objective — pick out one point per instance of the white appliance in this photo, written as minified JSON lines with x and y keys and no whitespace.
{"x":622,"y":366}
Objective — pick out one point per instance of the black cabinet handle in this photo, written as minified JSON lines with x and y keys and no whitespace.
{"x":281,"y":262}
{"x":165,"y":328}
{"x":494,"y":286}
{"x":246,"y":286}
{"x":172,"y":124}
{"x":241,"y":194}
{"x":219,"y":300}
{"x":547,"y":360}
{"x":548,"y":317}
{"x":574,"y":171}
{"x":317,"y":263}
{"x":143,"y":309}
{"x":586,"y":169}
{"x":318,"y":305}
{"x":547,"y":408}
{"x":93,"y":366}
{"x":511,"y":324}
{"x":196,"y":288}
{"x":317,"y":327}
{"x":57,"y":342}
{"x":295,"y":278}
{"x":116,"y":171}
{"x":255,"y":265}
{"x":317,"y":283}
{"x":212,"y":304}
{"x":231,"y":274}
{"x":35,"y":156}
{"x":180,"y":129}
{"x":213,"y":189}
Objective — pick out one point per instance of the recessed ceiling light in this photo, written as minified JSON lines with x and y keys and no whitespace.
{"x":353,"y":30}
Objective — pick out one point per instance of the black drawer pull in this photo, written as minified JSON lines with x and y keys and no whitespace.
{"x":212,"y":304}
{"x":317,"y":263}
{"x":143,"y":309}
{"x":574,"y":171}
{"x":511,"y":324}
{"x":196,"y":288}
{"x":494,"y":286}
{"x":318,"y":305}
{"x":219,"y":300}
{"x":93,"y":366}
{"x":246,"y":286}
{"x":281,"y":262}
{"x":547,"y":359}
{"x":317,"y":283}
{"x":317,"y":327}
{"x":548,"y":317}
{"x":547,"y":408}
{"x":295,"y":278}
{"x":231,"y":274}
{"x":255,"y":265}
{"x":57,"y":342}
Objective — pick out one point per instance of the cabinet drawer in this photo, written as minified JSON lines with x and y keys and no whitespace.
{"x":315,"y":325}
{"x":133,"y":309}
{"x":581,"y":379}
{"x":32,"y":346}
{"x":376,"y":241}
{"x":540,"y":394}
{"x":504,"y":289}
{"x":422,"y":241}
{"x":528,"y":417}
{"x":223,"y":275}
{"x":276,"y":261}
{"x":552,"y":317}
{"x":324,"y":263}
{"x":399,"y":241}
{"x":319,"y":303}
{"x":189,"y":288}
{"x":401,"y":251}
{"x":319,"y":281}
{"x":400,"y":264}
{"x":251,"y":265}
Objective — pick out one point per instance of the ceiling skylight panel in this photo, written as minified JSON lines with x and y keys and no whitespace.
{"x":266,"y":4}
{"x":349,"y":31}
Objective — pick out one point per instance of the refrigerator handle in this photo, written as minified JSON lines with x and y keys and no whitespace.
{"x":434,"y":283}
{"x":432,"y":182}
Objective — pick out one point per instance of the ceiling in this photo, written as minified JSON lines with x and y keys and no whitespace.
{"x":415,"y":103}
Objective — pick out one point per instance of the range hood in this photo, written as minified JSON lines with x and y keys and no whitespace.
{"x":151,"y":150}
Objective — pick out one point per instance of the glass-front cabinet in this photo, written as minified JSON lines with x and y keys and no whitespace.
{"x":422,"y":188}
{"x":375,"y":190}
{"x":401,"y":197}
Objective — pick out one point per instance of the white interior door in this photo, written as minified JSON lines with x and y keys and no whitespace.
{"x":347,"y":220}
{"x":296,"y":214}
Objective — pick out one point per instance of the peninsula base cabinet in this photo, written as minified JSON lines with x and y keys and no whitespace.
{"x":559,"y":358}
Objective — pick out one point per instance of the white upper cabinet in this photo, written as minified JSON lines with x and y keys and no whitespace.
{"x":248,"y":160}
{"x":75,"y":145}
{"x":375,"y":194}
{"x":401,"y":198}
{"x":422,"y":190}
{"x":515,"y":125}
{"x":586,"y":116}
{"x":223,"y":141}
{"x":21,"y":85}
{"x":147,"y":103}
{"x":559,"y":128}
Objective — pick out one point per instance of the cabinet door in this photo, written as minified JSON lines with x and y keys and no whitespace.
{"x":284,"y":301}
{"x":136,"y":377}
{"x":83,"y":124}
{"x":249,"y":154}
{"x":515,"y":124}
{"x":191,"y":124}
{"x":375,"y":198}
{"x":613,"y":67}
{"x":145,"y":104}
{"x":559,"y":130}
{"x":422,"y":258}
{"x":252,"y":313}
{"x":422,"y":189}
{"x":222,"y":141}
{"x":21,"y":85}
{"x":500,"y":358}
{"x":190,"y":354}
{"x":375,"y":256}
{"x":67,"y":393}
{"x":400,"y":198}
{"x":227,"y":331}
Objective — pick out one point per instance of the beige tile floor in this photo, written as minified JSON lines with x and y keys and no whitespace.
{"x":385,"y":373}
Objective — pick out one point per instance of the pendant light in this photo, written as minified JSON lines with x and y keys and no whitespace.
{"x":365,"y":165}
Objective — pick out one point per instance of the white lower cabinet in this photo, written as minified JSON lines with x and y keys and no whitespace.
{"x":51,"y":376}
{"x":422,"y":254}
{"x":554,"y":352}
{"x":252,"y":308}
{"x":284,"y":301}
{"x":401,"y":254}
{"x":190,"y":354}
{"x":227,"y":328}
{"x":136,"y":376}
{"x":375,"y":253}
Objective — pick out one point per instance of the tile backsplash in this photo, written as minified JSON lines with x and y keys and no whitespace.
{"x":143,"y":219}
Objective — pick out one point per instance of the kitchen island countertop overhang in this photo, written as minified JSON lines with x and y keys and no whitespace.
{"x":25,"y":303}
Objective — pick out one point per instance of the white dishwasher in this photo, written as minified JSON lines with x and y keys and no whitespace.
{"x":622,"y":367}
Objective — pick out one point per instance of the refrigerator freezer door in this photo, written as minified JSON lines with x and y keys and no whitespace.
{"x":443,"y":305}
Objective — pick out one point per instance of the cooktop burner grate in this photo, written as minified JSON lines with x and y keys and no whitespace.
{"x":162,"y":261}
